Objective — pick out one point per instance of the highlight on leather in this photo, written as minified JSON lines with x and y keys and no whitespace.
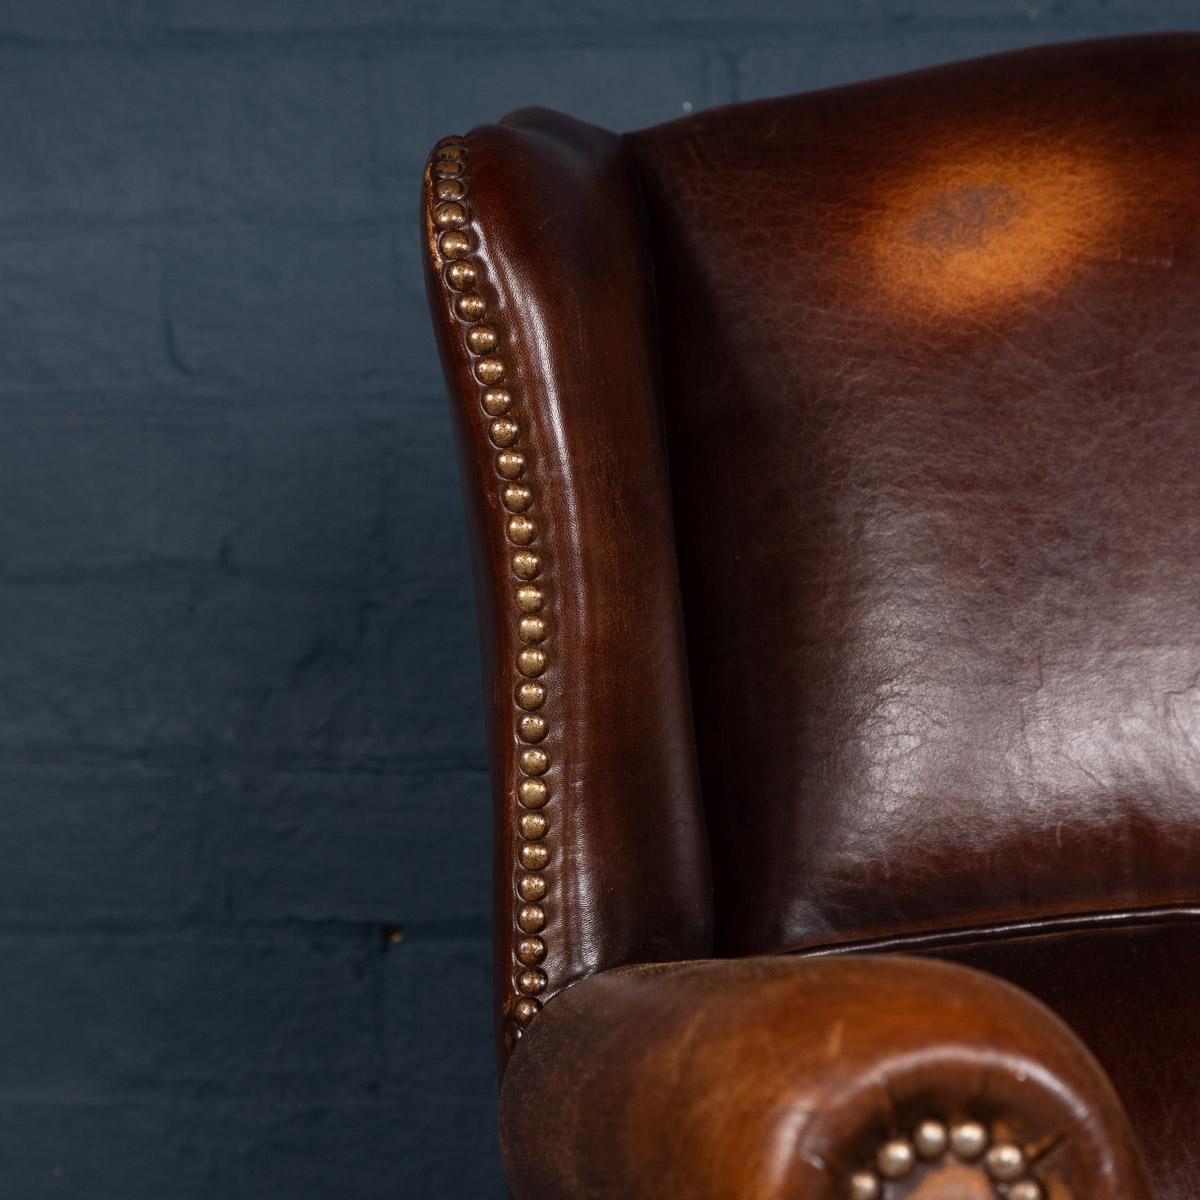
{"x":868,"y":1078}
{"x":990,"y":218}
{"x":931,"y":346}
{"x":534,"y":245}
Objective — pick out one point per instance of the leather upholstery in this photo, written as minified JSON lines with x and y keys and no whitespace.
{"x":559,"y":251}
{"x":932,"y":366}
{"x":778,"y":1078}
{"x":1132,"y":994}
{"x":892,"y":394}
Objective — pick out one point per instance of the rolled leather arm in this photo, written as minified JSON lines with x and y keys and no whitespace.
{"x":793,"y":1078}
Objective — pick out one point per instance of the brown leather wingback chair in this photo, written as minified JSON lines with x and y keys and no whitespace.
{"x":834,"y":464}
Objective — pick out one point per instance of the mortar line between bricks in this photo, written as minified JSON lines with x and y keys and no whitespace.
{"x":80,"y":224}
{"x":373,"y":931}
{"x":376,"y":41}
{"x":152,"y":763}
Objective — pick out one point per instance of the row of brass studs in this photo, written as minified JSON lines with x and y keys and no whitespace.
{"x":967,"y":1141}
{"x":461,"y":274}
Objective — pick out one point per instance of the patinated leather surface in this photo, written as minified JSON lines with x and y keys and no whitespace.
{"x":931,"y":352}
{"x":775,"y":1079}
{"x":557,"y":234}
{"x":930,"y":355}
{"x":1133,"y":996}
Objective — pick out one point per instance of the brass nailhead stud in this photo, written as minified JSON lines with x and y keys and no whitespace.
{"x":531,"y":982}
{"x":531,"y":662}
{"x":864,"y":1186}
{"x":521,"y":530}
{"x":532,"y":729}
{"x":534,"y":856}
{"x":532,"y":629}
{"x":455,"y":244}
{"x":531,"y":888}
{"x":510,"y":464}
{"x":533,"y":826}
{"x":526,"y":564}
{"x":531,"y":951}
{"x":525,"y":1009}
{"x":930,"y":1139}
{"x":533,"y":793}
{"x":535,"y":761}
{"x":503,"y":432}
{"x":529,"y":599}
{"x":1005,"y":1162}
{"x":482,"y":339}
{"x":531,"y":918}
{"x":489,"y":370}
{"x":895,"y":1159}
{"x":531,"y":696}
{"x":968,"y":1140}
{"x":1025,"y":1189}
{"x":449,"y":214}
{"x":470,"y":306}
{"x":460,"y":274}
{"x":496,"y":402}
{"x":517,"y":498}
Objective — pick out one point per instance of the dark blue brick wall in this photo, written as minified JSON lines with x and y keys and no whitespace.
{"x":244,"y":845}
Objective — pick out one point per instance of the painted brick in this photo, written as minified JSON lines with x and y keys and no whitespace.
{"x":79,"y":307}
{"x":245,"y":853}
{"x":440,"y":1069}
{"x":419,"y":842}
{"x":93,"y":845}
{"x":270,"y":133}
{"x":313,"y":490}
{"x":254,"y":305}
{"x":79,"y":140}
{"x":105,"y":1149}
{"x":212,"y":666}
{"x":220,"y":1014}
{"x":617,"y":86}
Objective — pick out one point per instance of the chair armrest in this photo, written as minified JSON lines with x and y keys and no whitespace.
{"x":793,"y":1078}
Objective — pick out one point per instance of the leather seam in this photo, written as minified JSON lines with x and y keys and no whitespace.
{"x":1006,"y":930}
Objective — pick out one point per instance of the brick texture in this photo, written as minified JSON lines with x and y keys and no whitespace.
{"x":244,"y":858}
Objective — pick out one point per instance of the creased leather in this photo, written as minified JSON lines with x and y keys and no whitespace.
{"x":932,"y":372}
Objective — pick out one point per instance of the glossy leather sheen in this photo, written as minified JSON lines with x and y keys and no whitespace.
{"x":928,"y":352}
{"x":1133,"y":996}
{"x":931,"y":355}
{"x":560,"y":235}
{"x":775,"y":1079}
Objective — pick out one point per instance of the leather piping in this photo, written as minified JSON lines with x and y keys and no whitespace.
{"x":1039,"y":927}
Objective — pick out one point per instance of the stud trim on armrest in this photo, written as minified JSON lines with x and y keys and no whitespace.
{"x":461,"y":274}
{"x":932,"y":1142}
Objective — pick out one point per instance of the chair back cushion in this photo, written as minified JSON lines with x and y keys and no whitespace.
{"x":931,"y":358}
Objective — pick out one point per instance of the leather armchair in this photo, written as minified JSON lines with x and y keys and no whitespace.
{"x":834,"y":468}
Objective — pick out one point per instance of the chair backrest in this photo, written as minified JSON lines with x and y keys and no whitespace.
{"x":931,"y":352}
{"x":928,"y":352}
